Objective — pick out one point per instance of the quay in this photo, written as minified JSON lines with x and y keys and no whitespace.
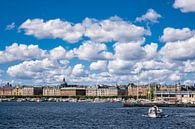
{"x":158,"y":104}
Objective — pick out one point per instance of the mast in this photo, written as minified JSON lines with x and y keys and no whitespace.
{"x":137,"y":84}
{"x":155,"y":91}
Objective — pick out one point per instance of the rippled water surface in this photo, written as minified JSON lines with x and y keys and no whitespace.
{"x":90,"y":116}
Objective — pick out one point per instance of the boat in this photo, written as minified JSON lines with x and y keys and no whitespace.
{"x":154,"y":112}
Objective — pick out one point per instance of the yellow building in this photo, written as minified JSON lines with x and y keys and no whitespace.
{"x":23,"y":91}
{"x":17,"y":91}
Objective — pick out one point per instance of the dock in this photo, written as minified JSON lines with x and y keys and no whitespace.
{"x":126,"y":104}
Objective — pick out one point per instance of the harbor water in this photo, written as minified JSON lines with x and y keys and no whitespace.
{"x":64,"y":115}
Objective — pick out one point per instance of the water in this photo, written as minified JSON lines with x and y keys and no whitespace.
{"x":89,"y":116}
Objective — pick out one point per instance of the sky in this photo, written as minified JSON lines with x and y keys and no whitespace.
{"x":97,"y":42}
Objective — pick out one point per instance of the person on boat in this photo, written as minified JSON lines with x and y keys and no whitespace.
{"x":155,"y":110}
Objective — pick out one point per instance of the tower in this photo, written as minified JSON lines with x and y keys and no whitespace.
{"x":64,"y":84}
{"x":64,"y":80}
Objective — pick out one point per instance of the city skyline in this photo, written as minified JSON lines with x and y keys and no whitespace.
{"x":97,"y":42}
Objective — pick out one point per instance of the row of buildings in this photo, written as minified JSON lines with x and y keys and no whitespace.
{"x":20,"y":91}
{"x":100,"y":90}
{"x":64,"y":91}
{"x":74,"y":90}
{"x":153,"y":91}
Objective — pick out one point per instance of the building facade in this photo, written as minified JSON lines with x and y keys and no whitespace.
{"x":72,"y":91}
{"x":176,"y":87}
{"x":140,"y":91}
{"x":28,"y":91}
{"x":1,"y":91}
{"x":122,"y":90}
{"x":6,"y":91}
{"x":38,"y":91}
{"x":175,"y":93}
{"x":91,"y":91}
{"x":180,"y":96}
{"x":107,"y":91}
{"x":17,"y":91}
{"x":51,"y":91}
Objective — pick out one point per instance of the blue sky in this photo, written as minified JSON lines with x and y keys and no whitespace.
{"x":155,"y":16}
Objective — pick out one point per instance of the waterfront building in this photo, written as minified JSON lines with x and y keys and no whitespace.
{"x":122,"y":90}
{"x":107,"y":91}
{"x":175,"y":93}
{"x":186,"y":97}
{"x":91,"y":91}
{"x":38,"y":91}
{"x":72,"y":91}
{"x":1,"y":91}
{"x":181,"y":96}
{"x":176,"y":87}
{"x":140,"y":91}
{"x":6,"y":91}
{"x":22,"y":91}
{"x":28,"y":91}
{"x":51,"y":91}
{"x":17,"y":91}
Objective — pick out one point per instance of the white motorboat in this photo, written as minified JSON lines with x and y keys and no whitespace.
{"x":154,"y":112}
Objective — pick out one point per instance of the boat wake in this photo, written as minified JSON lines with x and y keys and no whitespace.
{"x":162,"y":116}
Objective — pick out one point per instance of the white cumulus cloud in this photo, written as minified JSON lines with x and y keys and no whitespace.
{"x":30,"y":69}
{"x":185,"y":5}
{"x":113,"y":29}
{"x":40,"y":71}
{"x":179,"y":50}
{"x":99,"y":65}
{"x":172,"y":34}
{"x":92,"y":51}
{"x":107,"y":30}
{"x":175,"y":77}
{"x":61,"y":53}
{"x":150,"y":16}
{"x":189,"y":66}
{"x":129,"y":51}
{"x":120,"y":67}
{"x":21,"y":52}
{"x":151,"y":50}
{"x":55,"y":28}
{"x":79,"y":70}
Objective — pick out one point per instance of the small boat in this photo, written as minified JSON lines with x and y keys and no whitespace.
{"x":155,"y":112}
